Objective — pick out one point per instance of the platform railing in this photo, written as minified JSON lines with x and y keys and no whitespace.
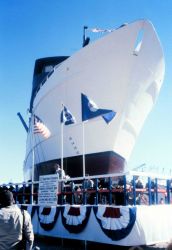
{"x":113,"y":189}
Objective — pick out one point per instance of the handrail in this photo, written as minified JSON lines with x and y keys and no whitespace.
{"x":77,"y":191}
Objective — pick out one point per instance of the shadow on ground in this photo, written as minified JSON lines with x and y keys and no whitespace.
{"x":50,"y":243}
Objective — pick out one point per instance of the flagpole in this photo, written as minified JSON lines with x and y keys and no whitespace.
{"x":33,"y":158}
{"x":62,"y":140}
{"x":83,"y":146}
{"x":62,"y":145}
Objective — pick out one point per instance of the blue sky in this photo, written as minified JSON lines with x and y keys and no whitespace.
{"x":40,"y":28}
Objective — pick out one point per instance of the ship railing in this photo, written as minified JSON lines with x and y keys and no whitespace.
{"x":112,"y":189}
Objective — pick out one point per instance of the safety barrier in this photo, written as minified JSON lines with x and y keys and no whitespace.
{"x":131,"y":188}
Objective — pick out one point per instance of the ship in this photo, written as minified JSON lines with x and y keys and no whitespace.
{"x":86,"y":113}
{"x":123,"y":72}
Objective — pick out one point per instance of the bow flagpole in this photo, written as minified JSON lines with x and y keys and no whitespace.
{"x":66,"y":119}
{"x":37,"y":127}
{"x":62,"y":141}
{"x":33,"y":156}
{"x":83,"y":147}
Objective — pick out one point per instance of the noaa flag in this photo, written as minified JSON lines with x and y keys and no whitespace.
{"x":109,"y":116}
{"x":66,"y":117}
{"x":90,"y":110}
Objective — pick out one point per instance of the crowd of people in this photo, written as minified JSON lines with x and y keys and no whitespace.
{"x":111,"y":190}
{"x":93,"y":191}
{"x":115,"y":190}
{"x":21,"y":193}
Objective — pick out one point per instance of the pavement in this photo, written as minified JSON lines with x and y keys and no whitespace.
{"x":50,"y":243}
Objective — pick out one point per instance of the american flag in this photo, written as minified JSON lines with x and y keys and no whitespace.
{"x":39,"y":127}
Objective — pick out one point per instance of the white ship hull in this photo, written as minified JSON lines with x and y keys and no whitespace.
{"x":118,"y":74}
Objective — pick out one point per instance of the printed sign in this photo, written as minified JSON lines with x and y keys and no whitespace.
{"x":48,"y":189}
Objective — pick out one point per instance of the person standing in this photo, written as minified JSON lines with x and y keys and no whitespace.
{"x":14,"y":223}
{"x":60,"y":172}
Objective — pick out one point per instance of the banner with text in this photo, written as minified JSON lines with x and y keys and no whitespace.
{"x":48,"y":189}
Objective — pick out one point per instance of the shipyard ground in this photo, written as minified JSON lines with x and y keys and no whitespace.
{"x":50,"y":243}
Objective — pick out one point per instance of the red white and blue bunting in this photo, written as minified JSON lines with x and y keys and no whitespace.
{"x":116,"y":222}
{"x":117,"y":225}
{"x":75,"y":218}
{"x":48,"y":216}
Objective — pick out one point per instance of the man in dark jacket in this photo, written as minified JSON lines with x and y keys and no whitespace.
{"x":13,"y":224}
